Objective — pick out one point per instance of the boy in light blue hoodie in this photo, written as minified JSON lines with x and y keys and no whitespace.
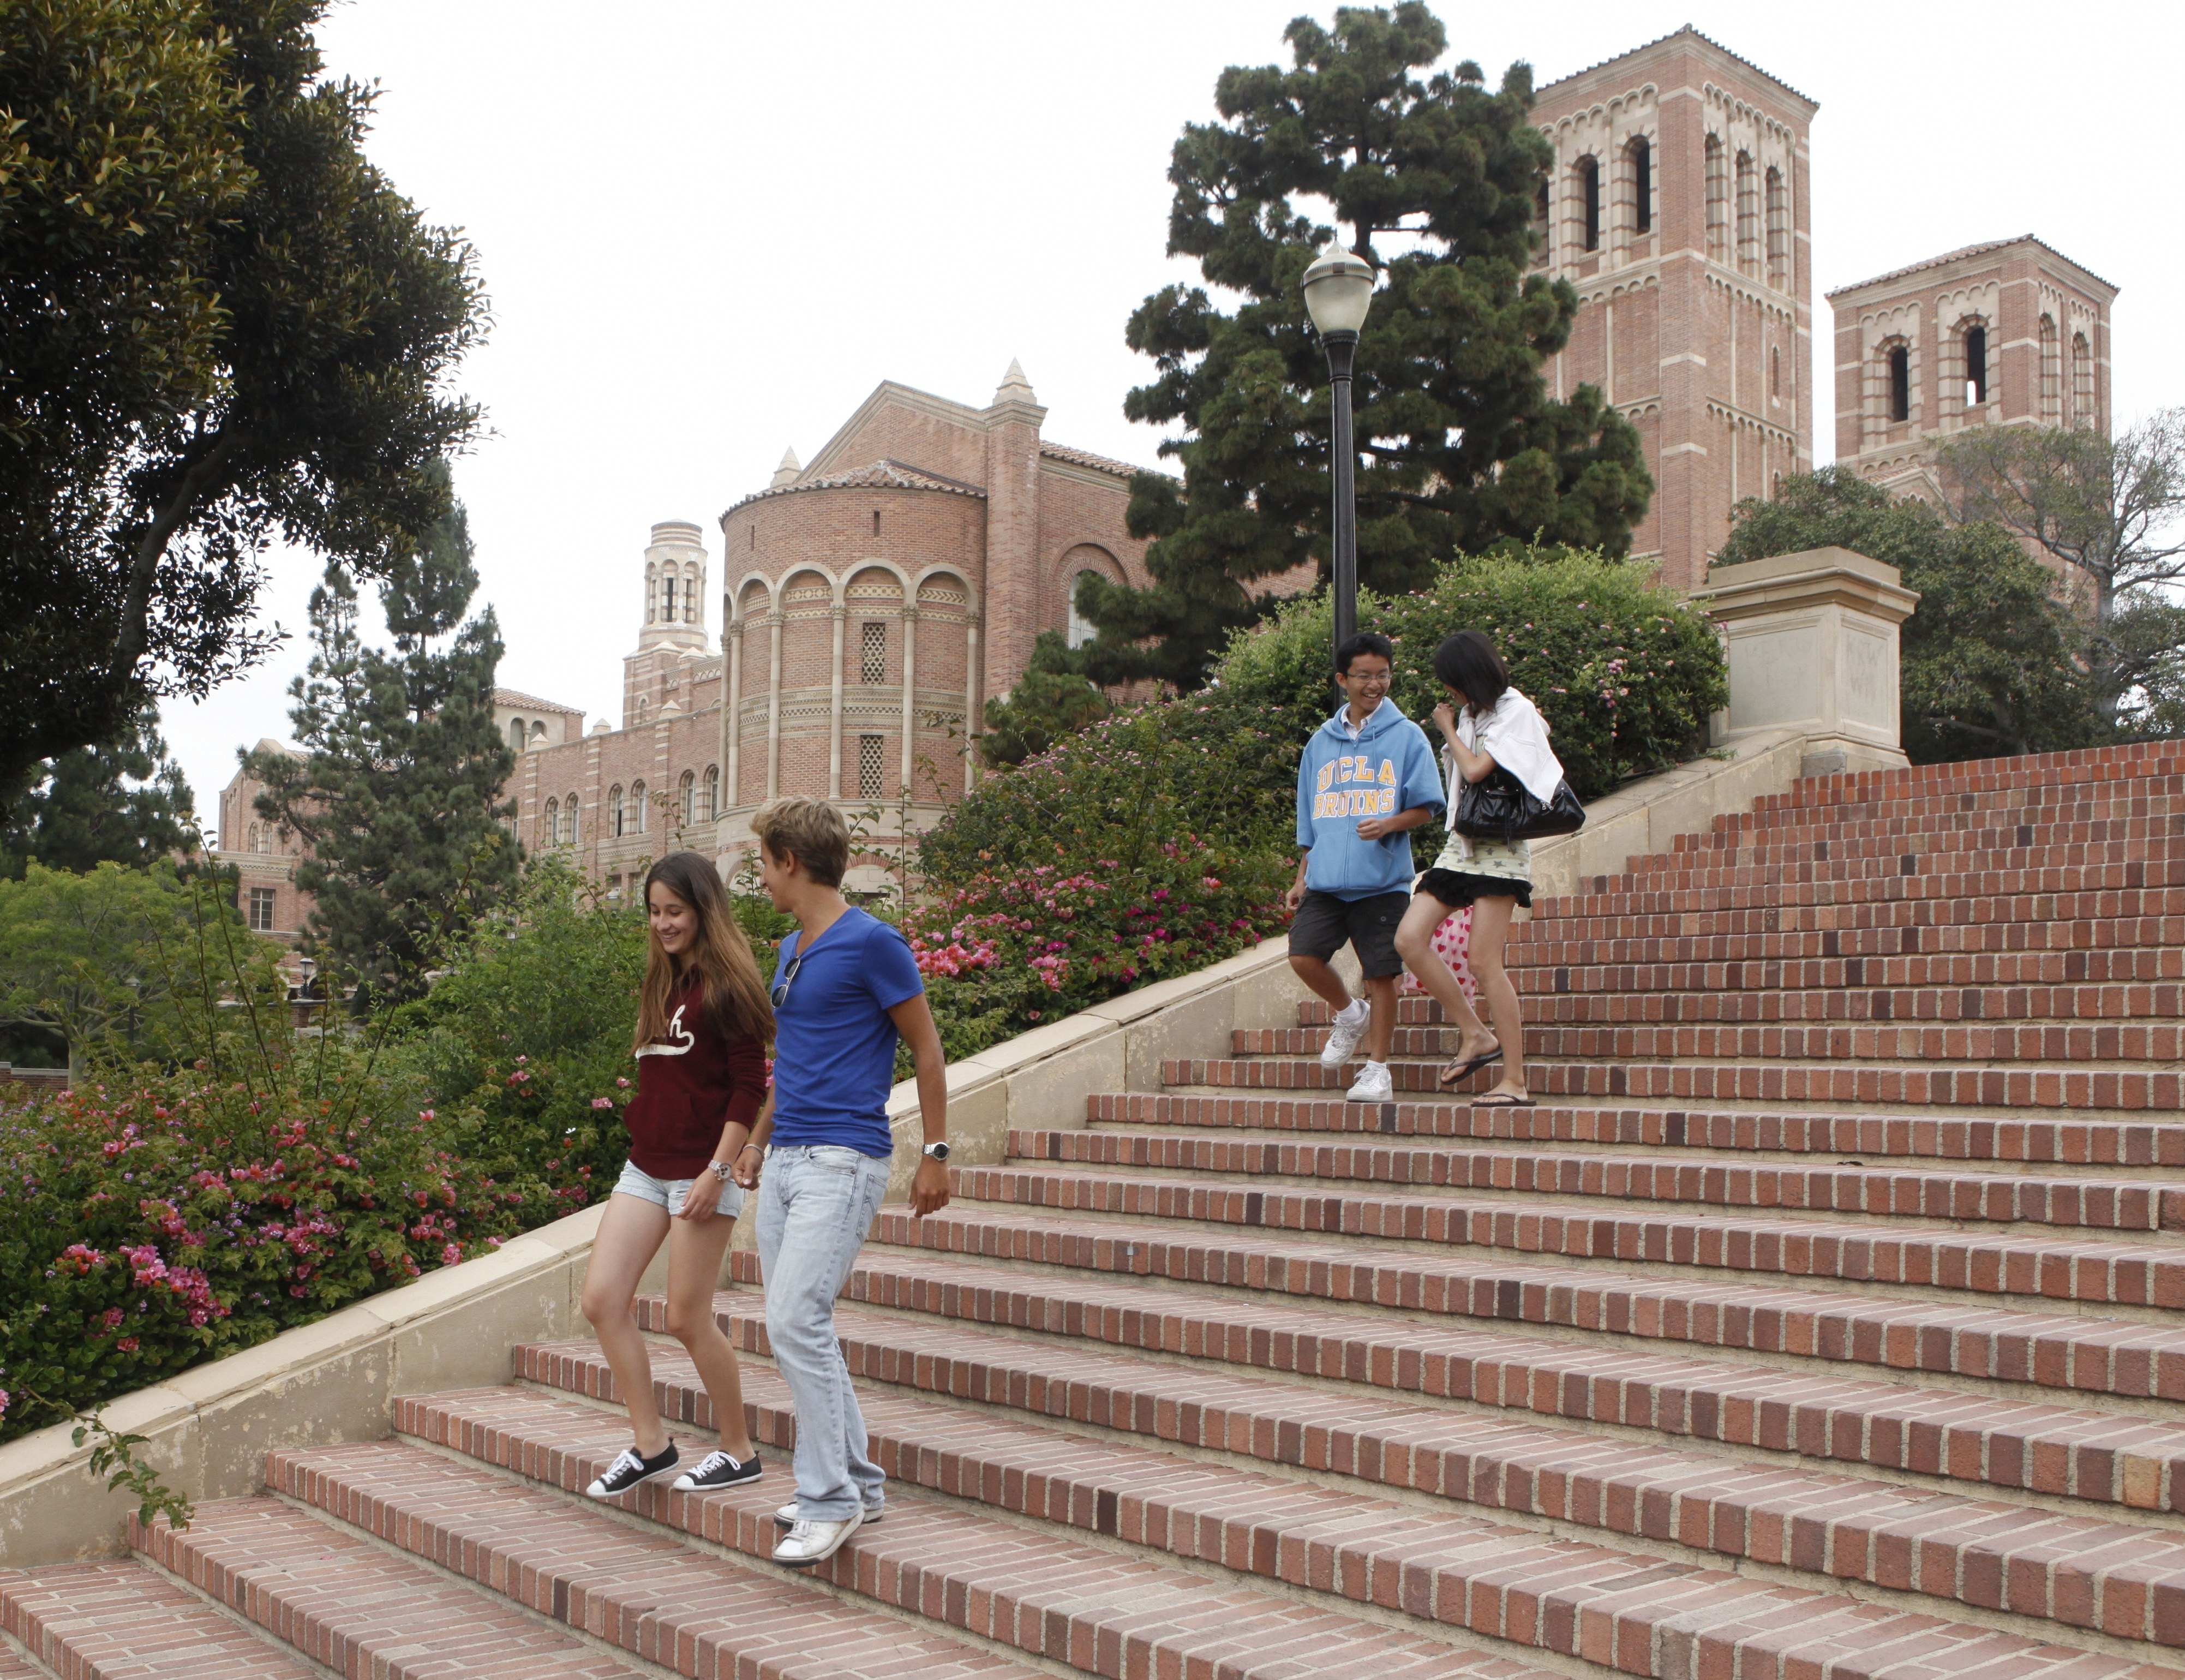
{"x":1367,"y":779}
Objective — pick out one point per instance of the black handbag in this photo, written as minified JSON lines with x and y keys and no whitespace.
{"x":1499,"y":807}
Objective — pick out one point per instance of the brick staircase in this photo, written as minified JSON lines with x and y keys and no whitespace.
{"x":1820,"y":1323}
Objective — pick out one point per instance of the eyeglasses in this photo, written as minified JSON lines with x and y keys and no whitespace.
{"x":781,"y":992}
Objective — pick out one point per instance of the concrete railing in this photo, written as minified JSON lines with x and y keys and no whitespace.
{"x":209,"y":1430}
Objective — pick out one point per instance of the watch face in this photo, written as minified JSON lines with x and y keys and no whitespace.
{"x":939,"y":1152}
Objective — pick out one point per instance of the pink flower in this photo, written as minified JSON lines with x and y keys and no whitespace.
{"x":126,"y":1345}
{"x":603,"y":1102}
{"x":452,"y":1255}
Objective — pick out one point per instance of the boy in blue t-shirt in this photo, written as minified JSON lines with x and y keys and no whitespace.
{"x":845,"y":986}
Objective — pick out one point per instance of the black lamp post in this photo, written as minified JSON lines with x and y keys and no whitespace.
{"x":1338,"y":289}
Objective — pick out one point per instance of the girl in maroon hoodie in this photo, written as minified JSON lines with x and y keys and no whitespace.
{"x":703,"y":1024}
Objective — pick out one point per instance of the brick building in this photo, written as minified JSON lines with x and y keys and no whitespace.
{"x":1677,"y":207}
{"x":872,"y":602}
{"x":2010,"y":332}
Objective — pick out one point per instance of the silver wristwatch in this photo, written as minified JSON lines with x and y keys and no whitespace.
{"x":939,"y":1152}
{"x":722,"y":1169}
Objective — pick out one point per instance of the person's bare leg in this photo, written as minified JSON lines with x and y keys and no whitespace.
{"x":1381,"y":1030}
{"x":630,"y":1234}
{"x":694,"y":1270}
{"x":1327,"y":984}
{"x":1414,"y":944}
{"x":1490,"y":931}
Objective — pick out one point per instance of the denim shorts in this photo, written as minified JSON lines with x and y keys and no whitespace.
{"x":669,"y":1193}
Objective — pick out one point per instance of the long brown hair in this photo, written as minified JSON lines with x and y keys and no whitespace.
{"x":735,"y":1000}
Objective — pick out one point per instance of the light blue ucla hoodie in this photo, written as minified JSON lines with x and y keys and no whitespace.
{"x":1341,"y":782}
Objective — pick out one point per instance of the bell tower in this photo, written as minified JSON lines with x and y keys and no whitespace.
{"x":675,"y":588}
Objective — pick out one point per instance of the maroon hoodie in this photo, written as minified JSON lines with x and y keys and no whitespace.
{"x":692,"y":1081}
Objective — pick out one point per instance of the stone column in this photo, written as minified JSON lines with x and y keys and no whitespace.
{"x":909,"y":690}
{"x":732,"y":724}
{"x":773,"y":623}
{"x":1812,"y":644}
{"x":841,"y":615}
{"x":970,"y":700}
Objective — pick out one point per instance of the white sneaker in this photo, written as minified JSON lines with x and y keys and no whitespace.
{"x":808,"y":1543}
{"x":1344,"y":1036}
{"x":1374,"y":1084}
{"x":787,"y":1517}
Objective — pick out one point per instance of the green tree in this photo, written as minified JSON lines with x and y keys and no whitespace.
{"x":218,"y":323}
{"x":113,"y":956}
{"x":2111,"y":513}
{"x":1461,"y":449}
{"x":1986,"y":660}
{"x":397,"y":795}
{"x":1047,"y":706}
{"x":124,"y":801}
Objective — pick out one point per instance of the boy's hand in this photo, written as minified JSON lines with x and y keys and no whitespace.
{"x":1294,"y":896}
{"x":929,"y":1191}
{"x":1374,"y":827}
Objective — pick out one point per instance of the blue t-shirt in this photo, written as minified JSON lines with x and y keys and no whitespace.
{"x":833,"y":1043}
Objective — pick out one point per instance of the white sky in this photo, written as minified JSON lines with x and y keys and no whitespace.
{"x":709,"y":229}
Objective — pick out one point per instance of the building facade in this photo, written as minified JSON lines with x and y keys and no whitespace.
{"x":871,"y":602}
{"x":1678,"y":206}
{"x":2009,"y":333}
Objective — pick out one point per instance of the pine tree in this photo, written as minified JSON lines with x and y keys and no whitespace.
{"x":1462,"y":450}
{"x":122,"y":801}
{"x":398,"y":795}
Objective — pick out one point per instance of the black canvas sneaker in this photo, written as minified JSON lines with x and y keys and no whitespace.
{"x":629,"y":1468}
{"x":717,"y":1469}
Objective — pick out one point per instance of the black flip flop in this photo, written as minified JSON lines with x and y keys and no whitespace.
{"x":1458,"y":1072}
{"x":1503,"y":1100}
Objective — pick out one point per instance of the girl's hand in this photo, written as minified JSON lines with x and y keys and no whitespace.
{"x":704,"y":1200}
{"x":1445,"y":717}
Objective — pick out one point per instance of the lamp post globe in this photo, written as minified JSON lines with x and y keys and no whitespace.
{"x":1338,"y":290}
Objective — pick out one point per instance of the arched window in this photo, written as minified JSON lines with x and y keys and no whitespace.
{"x":691,"y":594}
{"x":2083,"y":382}
{"x":615,"y":810}
{"x":1900,"y":383}
{"x":1588,"y":195}
{"x":250,"y":838}
{"x":2052,"y":375}
{"x":515,"y":735}
{"x":1081,"y":628}
{"x":709,"y":794}
{"x":686,"y":799}
{"x":1778,"y":232}
{"x":569,"y":820}
{"x":1748,"y":215}
{"x":1976,"y":366}
{"x":1717,"y":202}
{"x":550,"y":827}
{"x":652,"y":594}
{"x":667,"y":599}
{"x":1775,"y":370}
{"x":1640,"y":151}
{"x":1542,"y":252}
{"x":637,"y":816}
{"x":872,"y":652}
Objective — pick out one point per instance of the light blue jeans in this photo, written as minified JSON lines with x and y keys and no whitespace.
{"x":816,"y":1203}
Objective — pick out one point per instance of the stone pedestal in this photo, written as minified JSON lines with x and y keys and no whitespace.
{"x":1812,"y":644}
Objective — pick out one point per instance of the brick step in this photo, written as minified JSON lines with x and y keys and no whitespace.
{"x":2004,"y":845}
{"x":1932,"y":1542}
{"x":1268,"y":1526}
{"x":2106,"y":1203}
{"x":1952,"y":875}
{"x":2122,"y":887}
{"x":647,"y":1592}
{"x":1557,"y":995}
{"x":2003,"y":814}
{"x":1551,"y":1036}
{"x":2074,"y":1141}
{"x":2132,"y":980}
{"x":1984,"y":1341}
{"x":2119,"y":1089}
{"x":2103,"y":1458}
{"x":2127,"y":761}
{"x":116,"y":1618}
{"x":2031,"y":921}
{"x":1978,"y":1262}
{"x":346,"y":1603}
{"x":1055,"y":1599}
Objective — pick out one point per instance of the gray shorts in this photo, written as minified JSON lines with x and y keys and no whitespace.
{"x":1324,"y":923}
{"x":669,"y":1193}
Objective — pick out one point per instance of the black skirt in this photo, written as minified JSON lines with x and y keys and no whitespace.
{"x":1457,"y":887}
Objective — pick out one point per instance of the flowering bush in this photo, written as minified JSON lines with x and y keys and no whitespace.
{"x":151,"y":1224}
